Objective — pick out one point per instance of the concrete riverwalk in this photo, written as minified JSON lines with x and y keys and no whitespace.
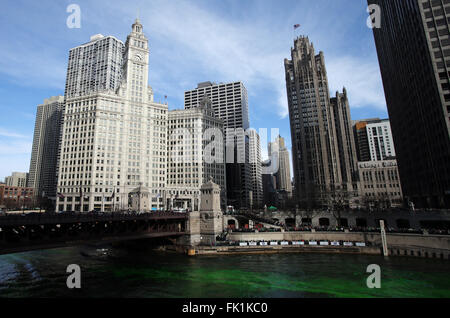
{"x":399,"y":244}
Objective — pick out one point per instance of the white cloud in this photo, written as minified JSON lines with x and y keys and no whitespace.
{"x":15,"y":156}
{"x":15,"y":150}
{"x":249,"y":50}
{"x":16,"y":162}
{"x":11,"y":134}
{"x":8,"y":148}
{"x":197,"y":43}
{"x":206,"y":44}
{"x":362,"y":79}
{"x":27,"y":68}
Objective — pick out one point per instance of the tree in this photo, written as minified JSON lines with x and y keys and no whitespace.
{"x":337,"y":200}
{"x":384,"y":201}
{"x":11,"y":204}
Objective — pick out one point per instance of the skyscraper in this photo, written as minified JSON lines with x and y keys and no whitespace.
{"x":114,"y":134}
{"x":255,"y":165}
{"x":46,"y":141}
{"x":413,"y":47}
{"x":347,"y":163}
{"x":283,"y":176}
{"x":374,"y":140}
{"x":95,"y":66}
{"x":269,"y":186}
{"x":230,"y":103}
{"x":314,"y":145}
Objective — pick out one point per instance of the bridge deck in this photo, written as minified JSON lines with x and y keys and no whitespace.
{"x":42,"y":231}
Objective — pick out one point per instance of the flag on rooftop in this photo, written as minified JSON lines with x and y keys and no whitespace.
{"x":296,"y":26}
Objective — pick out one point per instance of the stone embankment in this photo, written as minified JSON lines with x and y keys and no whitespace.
{"x":413,"y":245}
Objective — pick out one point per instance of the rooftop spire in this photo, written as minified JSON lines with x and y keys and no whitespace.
{"x":137,"y":26}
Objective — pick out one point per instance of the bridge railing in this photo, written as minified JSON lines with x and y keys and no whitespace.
{"x":45,"y":218}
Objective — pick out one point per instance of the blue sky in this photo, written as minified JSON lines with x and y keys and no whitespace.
{"x":190,"y":42}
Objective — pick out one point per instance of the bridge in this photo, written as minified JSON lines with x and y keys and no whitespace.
{"x":20,"y":233}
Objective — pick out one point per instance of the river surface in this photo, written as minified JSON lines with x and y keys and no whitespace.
{"x":123,"y":273}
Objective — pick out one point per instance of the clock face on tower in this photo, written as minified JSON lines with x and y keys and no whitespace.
{"x":137,"y":57}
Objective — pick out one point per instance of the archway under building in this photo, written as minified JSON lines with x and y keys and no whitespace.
{"x":361,"y":222}
{"x":343,"y":222}
{"x":290,"y":222}
{"x":306,"y":221}
{"x":324,"y":222}
{"x":403,"y":224}
{"x":232,"y":224}
{"x":435,"y":224}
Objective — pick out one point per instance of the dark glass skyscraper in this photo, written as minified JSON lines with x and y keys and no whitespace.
{"x":46,"y":142}
{"x":413,"y":47}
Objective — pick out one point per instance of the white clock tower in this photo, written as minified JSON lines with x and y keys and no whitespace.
{"x":135,"y":67}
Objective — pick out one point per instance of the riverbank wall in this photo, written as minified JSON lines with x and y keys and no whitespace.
{"x":399,"y":244}
{"x":233,"y":250}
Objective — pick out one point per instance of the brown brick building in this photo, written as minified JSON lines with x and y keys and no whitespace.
{"x":14,"y":197}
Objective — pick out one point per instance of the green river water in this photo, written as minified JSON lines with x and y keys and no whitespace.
{"x":125,"y":273}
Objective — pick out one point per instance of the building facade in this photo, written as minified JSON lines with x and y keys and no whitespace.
{"x":255,"y":169}
{"x":374,"y":139}
{"x":269,"y":186}
{"x":413,"y":48}
{"x":196,"y":154}
{"x":283,"y":180}
{"x":46,"y":141}
{"x":17,"y":179}
{"x":114,"y":135}
{"x":96,"y":66}
{"x":347,"y":163}
{"x":323,"y":149}
{"x":16,"y":197}
{"x":380,"y":184}
{"x":230,"y":103}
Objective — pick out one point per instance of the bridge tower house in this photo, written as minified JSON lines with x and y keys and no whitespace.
{"x":211,"y":216}
{"x":205,"y":225}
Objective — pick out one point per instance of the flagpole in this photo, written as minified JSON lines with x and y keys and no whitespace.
{"x":296,"y":26}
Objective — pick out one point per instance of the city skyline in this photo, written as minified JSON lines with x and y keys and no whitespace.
{"x":262,"y":74}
